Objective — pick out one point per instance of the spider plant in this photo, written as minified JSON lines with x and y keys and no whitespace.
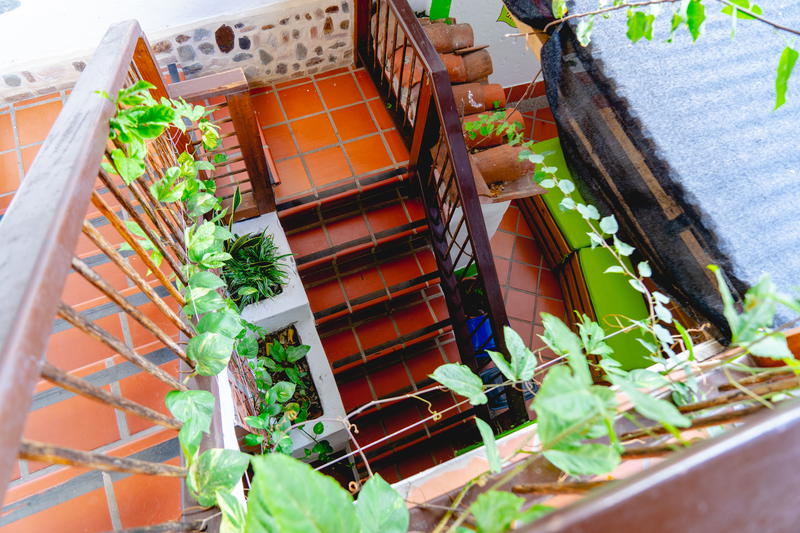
{"x":255,"y":271}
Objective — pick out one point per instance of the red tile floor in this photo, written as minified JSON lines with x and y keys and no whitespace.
{"x":326,"y":132}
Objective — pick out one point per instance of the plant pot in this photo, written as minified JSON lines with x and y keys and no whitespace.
{"x":792,"y":339}
{"x":291,"y":308}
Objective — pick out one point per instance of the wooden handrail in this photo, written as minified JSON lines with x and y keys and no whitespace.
{"x":40,"y":230}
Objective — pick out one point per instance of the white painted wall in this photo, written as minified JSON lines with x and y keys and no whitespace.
{"x":513,"y":62}
{"x":46,"y":29}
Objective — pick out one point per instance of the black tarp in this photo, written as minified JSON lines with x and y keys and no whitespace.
{"x":681,"y":142}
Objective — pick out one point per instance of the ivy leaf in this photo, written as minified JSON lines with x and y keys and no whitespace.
{"x":380,"y":508}
{"x":563,"y":341}
{"x":201,"y":203}
{"x":559,"y":8}
{"x":523,"y":362}
{"x":653,"y":408}
{"x":128,"y":168}
{"x":210,"y":301}
{"x":586,"y":459}
{"x":502,"y":365}
{"x":295,"y":353}
{"x":584,"y":32}
{"x":225,"y":322}
{"x":287,"y":495}
{"x":232,"y":513}
{"x":194,"y":408}
{"x":785,"y":68}
{"x":247,"y":347}
{"x":283,"y":391}
{"x":492,"y":454}
{"x":695,"y":15}
{"x":211,"y":352}
{"x":216,"y":470}
{"x":609,"y":225}
{"x":495,"y":511}
{"x":460,"y":379}
{"x":640,"y":25}
{"x":745,"y":4}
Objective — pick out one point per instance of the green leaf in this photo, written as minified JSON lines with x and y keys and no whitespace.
{"x":495,"y":511}
{"x":584,"y":460}
{"x":773,"y":346}
{"x":653,"y":408}
{"x":753,"y":8}
{"x":210,"y":301}
{"x":295,"y":353}
{"x":200,"y":204}
{"x":644,"y":269}
{"x":128,"y":168}
{"x":622,"y":247}
{"x":319,"y":428}
{"x":211,"y":352}
{"x":460,"y":379}
{"x":251,"y":439}
{"x":695,"y":15}
{"x":232,"y":513}
{"x":559,"y":8}
{"x":207,"y":280}
{"x":640,"y":24}
{"x":194,"y":408}
{"x":225,"y":322}
{"x":492,"y":454}
{"x":563,"y":341}
{"x":614,"y":269}
{"x":785,"y":68}
{"x":216,"y":470}
{"x":502,"y":365}
{"x":584,"y":32}
{"x":523,"y":362}
{"x":288,"y":496}
{"x":283,"y":391}
{"x":609,"y":225}
{"x":247,"y":347}
{"x":380,"y":508}
{"x":220,"y":158}
{"x":534,"y":512}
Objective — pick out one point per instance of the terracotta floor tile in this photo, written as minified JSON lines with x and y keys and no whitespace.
{"x":338,"y":91}
{"x":376,"y":332}
{"x":300,"y":101}
{"x":353,"y":121}
{"x":368,"y":155}
{"x":520,"y":305}
{"x":147,"y":500}
{"x":413,"y":318}
{"x":267,"y":109}
{"x":5,"y":201}
{"x":308,"y":241}
{"x":324,"y":296}
{"x":84,"y":513}
{"x":439,"y":306}
{"x":381,"y":114}
{"x":388,"y":381}
{"x":348,"y":229}
{"x":369,"y":432}
{"x":34,"y":123}
{"x":362,"y":283}
{"x":548,"y":285}
{"x":523,"y":328}
{"x":390,"y":474}
{"x":9,"y":172}
{"x":387,"y":218}
{"x":400,"y":270}
{"x":76,"y":422}
{"x":70,"y":349}
{"x":427,"y":260}
{"x":280,"y":142}
{"x":397,"y":146}
{"x":549,"y":305}
{"x":423,"y":365}
{"x":294,"y":179}
{"x":313,"y":132}
{"x":355,"y":393}
{"x":502,"y":244}
{"x":7,"y":141}
{"x":509,"y":221}
{"x":340,"y":345}
{"x":414,"y":464}
{"x":415,"y":209}
{"x":327,"y":166}
{"x":545,"y":114}
{"x":292,"y":82}
{"x":148,"y":391}
{"x":502,"y":266}
{"x":330,"y":73}
{"x":365,"y":82}
{"x":524,"y":277}
{"x":527,"y":251}
{"x":544,"y":130}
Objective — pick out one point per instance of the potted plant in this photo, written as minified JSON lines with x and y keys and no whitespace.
{"x":285,"y":380}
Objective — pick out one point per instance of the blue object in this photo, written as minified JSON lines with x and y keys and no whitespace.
{"x":480,"y":329}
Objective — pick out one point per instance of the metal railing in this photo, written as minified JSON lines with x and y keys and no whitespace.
{"x":413,"y":81}
{"x":46,"y":231}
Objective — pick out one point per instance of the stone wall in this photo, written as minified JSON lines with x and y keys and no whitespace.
{"x":271,"y":44}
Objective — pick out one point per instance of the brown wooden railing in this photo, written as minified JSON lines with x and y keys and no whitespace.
{"x":416,"y":88}
{"x":47,"y":223}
